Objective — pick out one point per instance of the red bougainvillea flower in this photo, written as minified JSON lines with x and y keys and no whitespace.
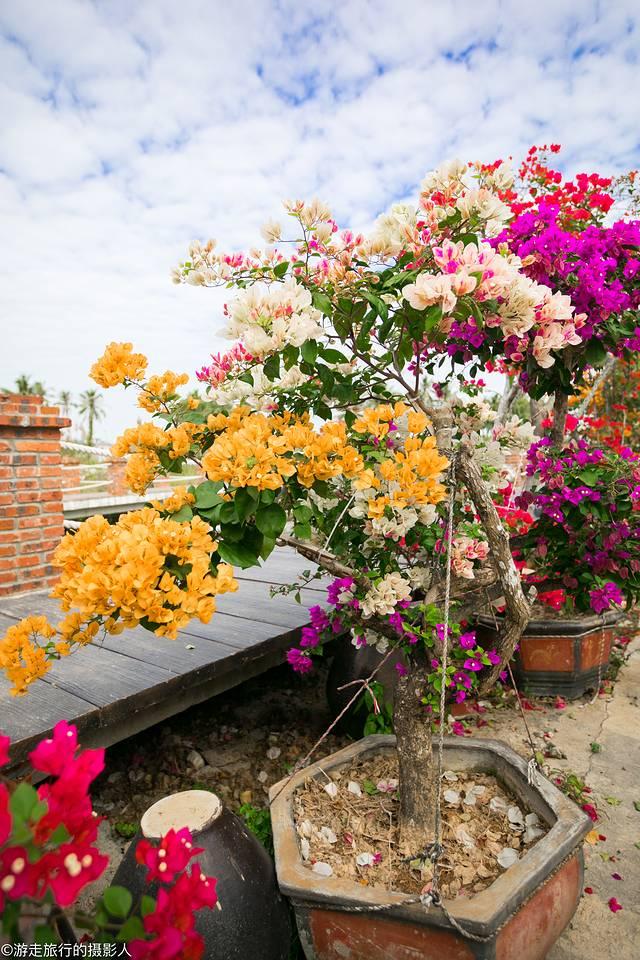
{"x":68,"y":869}
{"x":4,"y":749}
{"x":5,"y":815}
{"x":614,"y":906}
{"x":588,"y":889}
{"x":17,"y":878}
{"x":591,"y":812}
{"x":169,"y":858}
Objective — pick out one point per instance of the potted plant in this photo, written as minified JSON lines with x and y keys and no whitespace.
{"x":582,"y":552}
{"x":325,"y":428}
{"x":49,"y":854}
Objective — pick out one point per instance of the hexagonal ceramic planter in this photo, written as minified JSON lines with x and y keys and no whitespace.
{"x":564,"y":657}
{"x":520,"y":915}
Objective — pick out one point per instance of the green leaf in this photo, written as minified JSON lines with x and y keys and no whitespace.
{"x":207,"y":494}
{"x":302,"y":530}
{"x":23,"y":801}
{"x":238,"y":554}
{"x":322,"y":302}
{"x":44,"y":934}
{"x":309,"y":351}
{"x":228,"y":512}
{"x":271,"y":520}
{"x":272,"y":367}
{"x":245,"y":501}
{"x":133,"y":929}
{"x":280,"y":269}
{"x":268,"y":543}
{"x":333,"y":356}
{"x":378,"y":305}
{"x":147,"y":905}
{"x":302,"y":512}
{"x":118,"y":901}
{"x":184,"y":513}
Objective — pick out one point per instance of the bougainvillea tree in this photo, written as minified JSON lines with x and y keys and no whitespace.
{"x":49,"y":854}
{"x":346,"y":422}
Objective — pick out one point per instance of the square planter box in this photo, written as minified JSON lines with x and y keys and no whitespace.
{"x":519,"y":916}
{"x":558,"y":657}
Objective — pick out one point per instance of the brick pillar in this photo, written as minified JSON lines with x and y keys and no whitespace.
{"x":31,"y":518}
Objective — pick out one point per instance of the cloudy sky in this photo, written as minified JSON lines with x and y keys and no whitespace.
{"x":130,"y":128}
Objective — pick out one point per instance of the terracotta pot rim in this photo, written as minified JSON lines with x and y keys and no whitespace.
{"x":486,"y":911}
{"x":566,"y":626}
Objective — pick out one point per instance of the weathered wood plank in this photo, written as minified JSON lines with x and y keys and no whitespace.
{"x":118,"y":687}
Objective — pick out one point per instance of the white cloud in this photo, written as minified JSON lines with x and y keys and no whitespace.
{"x":131,"y":128}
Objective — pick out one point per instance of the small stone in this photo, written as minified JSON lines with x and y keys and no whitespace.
{"x":263,"y":776}
{"x":331,"y":789}
{"x":114,"y":777}
{"x":451,"y":796}
{"x":354,"y":788}
{"x":322,"y":869}
{"x":450,"y":776}
{"x":246,"y":796}
{"x":195,"y":760}
{"x":305,"y":848}
{"x":273,"y":753}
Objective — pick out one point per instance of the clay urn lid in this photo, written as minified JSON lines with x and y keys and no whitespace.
{"x":195,"y":809}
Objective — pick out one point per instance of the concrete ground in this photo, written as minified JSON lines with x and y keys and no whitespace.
{"x":611,"y":722}
{"x":614,"y":775}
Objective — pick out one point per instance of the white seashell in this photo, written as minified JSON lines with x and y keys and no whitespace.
{"x":515,"y":817}
{"x":450,"y":776}
{"x":331,"y":789}
{"x":532,"y":833}
{"x":327,"y":834}
{"x":305,"y":828}
{"x":305,"y":848}
{"x":498,"y":805}
{"x":451,"y":796}
{"x":364,"y":859}
{"x":322,"y":869}
{"x":354,"y":788}
{"x":507,"y":857}
{"x":532,"y":820}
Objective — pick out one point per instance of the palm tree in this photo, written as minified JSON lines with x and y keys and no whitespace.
{"x":91,"y":406}
{"x":65,"y":400}
{"x":25,"y":386}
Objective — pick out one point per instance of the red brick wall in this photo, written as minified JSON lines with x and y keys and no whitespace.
{"x":31,"y":518}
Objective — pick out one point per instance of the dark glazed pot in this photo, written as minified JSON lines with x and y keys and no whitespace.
{"x":563,"y":657}
{"x":519,"y":917}
{"x":352,"y":663}
{"x":253,"y":920}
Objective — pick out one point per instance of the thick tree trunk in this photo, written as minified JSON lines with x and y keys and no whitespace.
{"x":417,"y":769}
{"x":509,"y":394}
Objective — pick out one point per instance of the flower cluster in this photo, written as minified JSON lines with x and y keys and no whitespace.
{"x":586,"y":539}
{"x":268,"y":318}
{"x":117,"y":365}
{"x":259,"y":451}
{"x":49,"y":854}
{"x":144,"y":569}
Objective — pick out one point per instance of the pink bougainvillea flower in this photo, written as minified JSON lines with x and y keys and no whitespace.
{"x":560,"y":704}
{"x":614,"y":906}
{"x":54,"y":754}
{"x":4,"y":749}
{"x":591,"y":812}
{"x":169,"y":858}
